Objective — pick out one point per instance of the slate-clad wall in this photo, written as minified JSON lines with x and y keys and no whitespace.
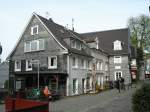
{"x":52,"y":48}
{"x":124,"y":68}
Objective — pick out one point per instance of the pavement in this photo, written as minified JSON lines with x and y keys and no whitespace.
{"x":107,"y":101}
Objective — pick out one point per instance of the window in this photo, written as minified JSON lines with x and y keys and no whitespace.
{"x":73,"y":44}
{"x":52,"y":62}
{"x":27,"y":47}
{"x":34,"y":45}
{"x":99,"y":66}
{"x":74,"y":62}
{"x":17,"y":65}
{"x":118,"y":74}
{"x":28,"y":65}
{"x":117,"y":67}
{"x":117,"y":59}
{"x":34,"y":30}
{"x":88,"y":64}
{"x":76,"y":44}
{"x":117,"y":45}
{"x":83,"y":63}
{"x":106,"y":66}
{"x":41,"y":44}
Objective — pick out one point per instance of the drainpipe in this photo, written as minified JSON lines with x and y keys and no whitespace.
{"x":68,"y":71}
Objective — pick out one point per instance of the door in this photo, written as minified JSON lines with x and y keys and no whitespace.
{"x":83,"y":85}
{"x":75,"y":86}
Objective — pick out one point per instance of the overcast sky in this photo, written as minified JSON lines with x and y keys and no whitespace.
{"x":89,"y":15}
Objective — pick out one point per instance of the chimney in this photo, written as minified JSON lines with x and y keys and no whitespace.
{"x":51,"y":20}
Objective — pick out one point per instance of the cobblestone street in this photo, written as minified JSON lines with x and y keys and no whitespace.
{"x":108,"y":101}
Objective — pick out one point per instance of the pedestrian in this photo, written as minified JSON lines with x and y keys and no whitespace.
{"x":118,"y":84}
{"x":122,"y":83}
{"x":47,"y":92}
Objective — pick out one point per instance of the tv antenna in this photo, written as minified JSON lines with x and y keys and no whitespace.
{"x":72,"y":24}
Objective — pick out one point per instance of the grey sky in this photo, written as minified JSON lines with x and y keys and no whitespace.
{"x":89,"y":15}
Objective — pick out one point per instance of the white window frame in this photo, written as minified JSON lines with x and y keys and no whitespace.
{"x":32,"y":29}
{"x":116,"y":74}
{"x":36,"y":41}
{"x":101,"y":65}
{"x":117,"y":67}
{"x":17,"y":69}
{"x":39,"y":44}
{"x":116,"y":60}
{"x":49,"y":62}
{"x":106,"y":66}
{"x":83,"y":63}
{"x":37,"y":47}
{"x":25,"y":45}
{"x":27,"y":63}
{"x":73,"y":44}
{"x":117,"y":45}
{"x":76,"y":62}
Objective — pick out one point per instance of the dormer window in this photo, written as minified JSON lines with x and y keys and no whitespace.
{"x":117,"y":45}
{"x":34,"y":30}
{"x":76,"y":44}
{"x":73,"y":44}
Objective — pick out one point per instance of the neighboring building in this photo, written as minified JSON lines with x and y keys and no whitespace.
{"x":4,"y":73}
{"x":65,"y":60}
{"x":116,"y":44}
{"x":147,"y":66}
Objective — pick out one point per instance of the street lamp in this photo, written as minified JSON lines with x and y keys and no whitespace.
{"x":38,"y":63}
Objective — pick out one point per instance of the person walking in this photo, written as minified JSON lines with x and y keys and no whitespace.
{"x":122,"y":83}
{"x":118,"y":84}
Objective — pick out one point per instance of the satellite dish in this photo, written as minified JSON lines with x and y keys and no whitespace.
{"x":0,"y":49}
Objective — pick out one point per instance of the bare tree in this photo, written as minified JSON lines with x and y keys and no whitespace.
{"x":140,"y":37}
{"x":140,"y":31}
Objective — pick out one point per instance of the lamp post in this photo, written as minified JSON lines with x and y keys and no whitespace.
{"x":38,"y":71}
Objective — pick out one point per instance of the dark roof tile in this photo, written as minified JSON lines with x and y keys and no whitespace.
{"x":106,"y":39}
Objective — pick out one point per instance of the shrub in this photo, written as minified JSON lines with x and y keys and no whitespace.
{"x":141,"y":99}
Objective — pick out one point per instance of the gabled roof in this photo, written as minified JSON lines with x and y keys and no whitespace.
{"x":60,"y":33}
{"x":106,"y":39}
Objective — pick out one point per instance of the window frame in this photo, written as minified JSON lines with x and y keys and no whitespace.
{"x":32,"y":30}
{"x":116,"y":61}
{"x":117,"y":45}
{"x":106,"y":66}
{"x":37,"y":45}
{"x":76,"y":62}
{"x":49,"y":62}
{"x":27,"y":65}
{"x":25,"y":45}
{"x":116,"y":74}
{"x":17,"y":69}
